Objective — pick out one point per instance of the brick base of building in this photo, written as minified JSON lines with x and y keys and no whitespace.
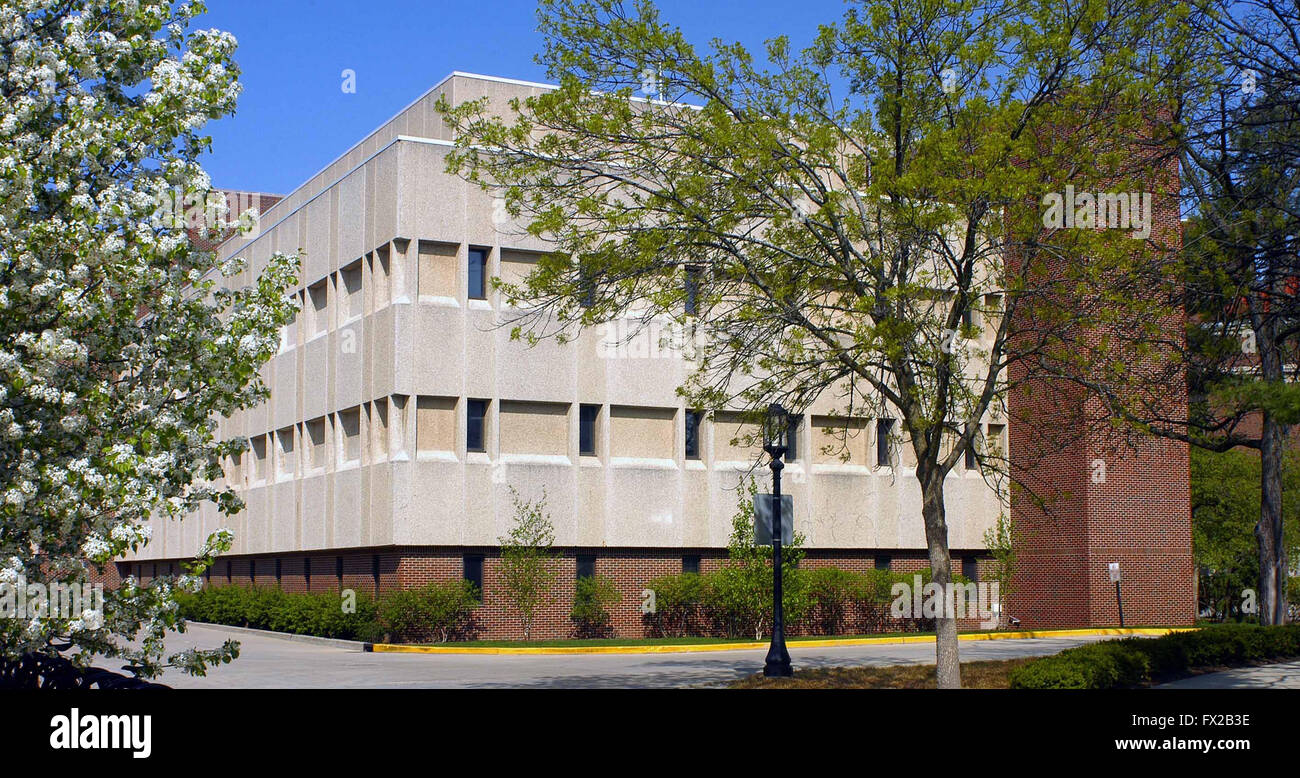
{"x":375,"y":571}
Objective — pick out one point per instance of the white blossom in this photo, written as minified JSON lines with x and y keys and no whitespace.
{"x":106,"y":419}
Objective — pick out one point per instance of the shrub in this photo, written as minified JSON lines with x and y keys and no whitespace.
{"x":438,"y":610}
{"x":736,"y":599}
{"x":1137,"y":661}
{"x":838,"y":601}
{"x":591,"y":602}
{"x":735,"y":602}
{"x":314,"y":613}
{"x":677,"y":602}
{"x":361,"y":623}
{"x":886,"y":580}
{"x":1095,"y":666}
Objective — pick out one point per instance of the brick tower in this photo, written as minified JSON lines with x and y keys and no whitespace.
{"x":1087,"y":500}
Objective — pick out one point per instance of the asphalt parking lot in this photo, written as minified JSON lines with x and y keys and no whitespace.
{"x":276,"y":663}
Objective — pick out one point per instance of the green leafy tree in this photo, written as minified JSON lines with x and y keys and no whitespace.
{"x":837,"y":222}
{"x":1000,"y":541}
{"x":739,"y":594}
{"x":528,"y":569}
{"x":120,"y":343}
{"x":1234,"y":129}
{"x":1225,"y":510}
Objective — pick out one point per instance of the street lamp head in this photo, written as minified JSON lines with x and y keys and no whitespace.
{"x":775,"y":430}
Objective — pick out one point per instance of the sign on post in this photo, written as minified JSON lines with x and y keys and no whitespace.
{"x":763,"y":520}
{"x":1119,"y":598}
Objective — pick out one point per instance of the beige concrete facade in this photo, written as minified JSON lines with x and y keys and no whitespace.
{"x":364,"y":441}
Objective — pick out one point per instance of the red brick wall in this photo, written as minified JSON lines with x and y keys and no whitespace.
{"x":629,"y":569}
{"x":1070,"y":525}
{"x":109,"y":576}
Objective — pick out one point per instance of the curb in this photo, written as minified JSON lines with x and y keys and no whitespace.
{"x":350,"y":645}
{"x":392,"y":648}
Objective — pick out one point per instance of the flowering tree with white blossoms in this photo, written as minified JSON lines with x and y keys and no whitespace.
{"x":120,"y":342}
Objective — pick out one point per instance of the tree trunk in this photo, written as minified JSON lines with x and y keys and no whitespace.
{"x":947,"y":664}
{"x":1268,"y":532}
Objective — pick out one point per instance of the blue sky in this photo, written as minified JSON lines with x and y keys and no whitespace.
{"x":294,"y":118}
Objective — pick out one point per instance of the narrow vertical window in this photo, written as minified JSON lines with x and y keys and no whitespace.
{"x":586,"y":565}
{"x":691,"y":563}
{"x":587,"y":288}
{"x":476,"y":425}
{"x":882,"y":561}
{"x":972,"y":462}
{"x":478,"y":274}
{"x":472,"y":570}
{"x":692,"y":292}
{"x":970,"y":569}
{"x":884,"y":428}
{"x":693,"y":434}
{"x":306,"y":572}
{"x":587,"y":415}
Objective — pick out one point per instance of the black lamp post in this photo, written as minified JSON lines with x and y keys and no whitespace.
{"x":774,"y":443}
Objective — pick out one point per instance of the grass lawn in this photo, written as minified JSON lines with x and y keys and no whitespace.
{"x":974,"y":675}
{"x":688,"y":641}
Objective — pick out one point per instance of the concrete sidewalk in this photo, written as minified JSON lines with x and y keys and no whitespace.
{"x":1284,"y":675}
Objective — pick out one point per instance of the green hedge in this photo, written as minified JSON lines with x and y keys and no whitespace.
{"x":439,"y":611}
{"x":736,"y":601}
{"x":841,"y":601}
{"x":299,"y":613}
{"x":676,"y":610}
{"x":732,"y":601}
{"x":1139,"y":661}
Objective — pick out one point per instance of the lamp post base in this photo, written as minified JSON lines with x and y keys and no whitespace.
{"x":778,"y":663}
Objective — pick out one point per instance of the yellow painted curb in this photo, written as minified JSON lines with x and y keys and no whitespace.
{"x":392,"y":648}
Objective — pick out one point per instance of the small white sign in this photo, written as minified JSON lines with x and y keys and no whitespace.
{"x":1114,"y":572}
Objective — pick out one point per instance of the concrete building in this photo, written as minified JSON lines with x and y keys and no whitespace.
{"x":402,"y":414}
